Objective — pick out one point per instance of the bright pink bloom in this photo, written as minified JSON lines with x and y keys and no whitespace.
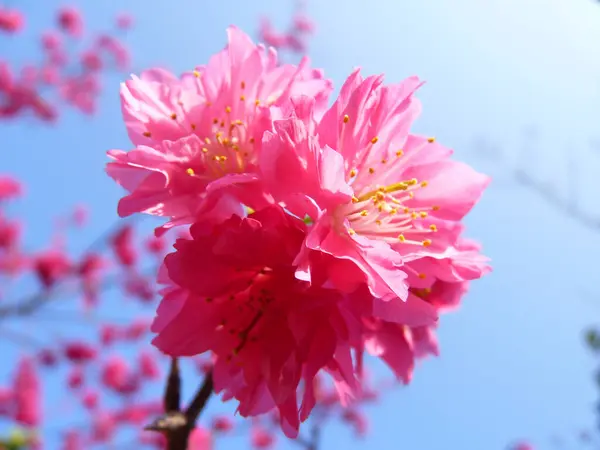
{"x":200,"y":439}
{"x":70,"y":21}
{"x":9,"y":188}
{"x":27,"y":390}
{"x":236,"y":296}
{"x":79,"y":352}
{"x":384,"y":205}
{"x":10,"y":232}
{"x":123,"y":246}
{"x":11,"y":20}
{"x":51,"y":266}
{"x":116,"y":373}
{"x":198,"y":137}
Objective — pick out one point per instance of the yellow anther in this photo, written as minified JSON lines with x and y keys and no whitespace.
{"x":204,"y":150}
{"x":222,"y":124}
{"x":353,"y":173}
{"x":411,"y":195}
{"x":406,"y":210}
{"x":423,"y":214}
{"x":393,"y":211}
{"x":432,"y":227}
{"x":379,"y":196}
{"x":351,"y":232}
{"x":235,"y":147}
{"x":413,"y":215}
{"x":228,"y":109}
{"x":424,"y":183}
{"x":374,"y":140}
{"x":147,"y":134}
{"x":431,"y":140}
{"x":383,"y":161}
{"x":401,"y":238}
{"x":242,"y":98}
{"x":412,"y":182}
{"x":399,"y":153}
{"x":239,"y":122}
{"x":354,"y":199}
{"x":364,"y":213}
{"x":207,"y":140}
{"x":215,"y":121}
{"x":435,"y":208}
{"x":243,"y":85}
{"x":196,"y":74}
{"x":426,"y":242}
{"x":378,"y":222}
{"x":371,"y":170}
{"x":174,"y":116}
{"x":190,"y":171}
{"x":346,"y":118}
{"x":257,"y":102}
{"x":422,"y":276}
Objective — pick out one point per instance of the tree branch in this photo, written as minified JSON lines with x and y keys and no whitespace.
{"x":177,"y":425}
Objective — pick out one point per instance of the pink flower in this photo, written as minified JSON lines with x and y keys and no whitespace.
{"x":200,"y":439}
{"x":198,"y":137}
{"x":123,"y":246}
{"x":70,"y":21}
{"x":27,"y":390}
{"x":10,"y":232}
{"x":384,"y":205}
{"x":116,"y":373}
{"x":10,"y":188}
{"x":236,"y":296}
{"x":51,"y":267}
{"x":79,"y":352}
{"x":11,"y":20}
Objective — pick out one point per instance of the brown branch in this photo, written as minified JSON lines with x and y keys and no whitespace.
{"x":177,"y":425}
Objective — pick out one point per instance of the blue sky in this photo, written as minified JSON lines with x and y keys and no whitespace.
{"x":512,"y":364}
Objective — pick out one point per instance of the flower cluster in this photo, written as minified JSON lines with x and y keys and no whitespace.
{"x":61,"y":76}
{"x":316,"y":234}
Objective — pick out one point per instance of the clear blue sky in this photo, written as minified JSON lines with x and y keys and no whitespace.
{"x":512,"y":364}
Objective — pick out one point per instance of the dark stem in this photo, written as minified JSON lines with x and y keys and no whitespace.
{"x":175,"y":424}
{"x":200,"y":399}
